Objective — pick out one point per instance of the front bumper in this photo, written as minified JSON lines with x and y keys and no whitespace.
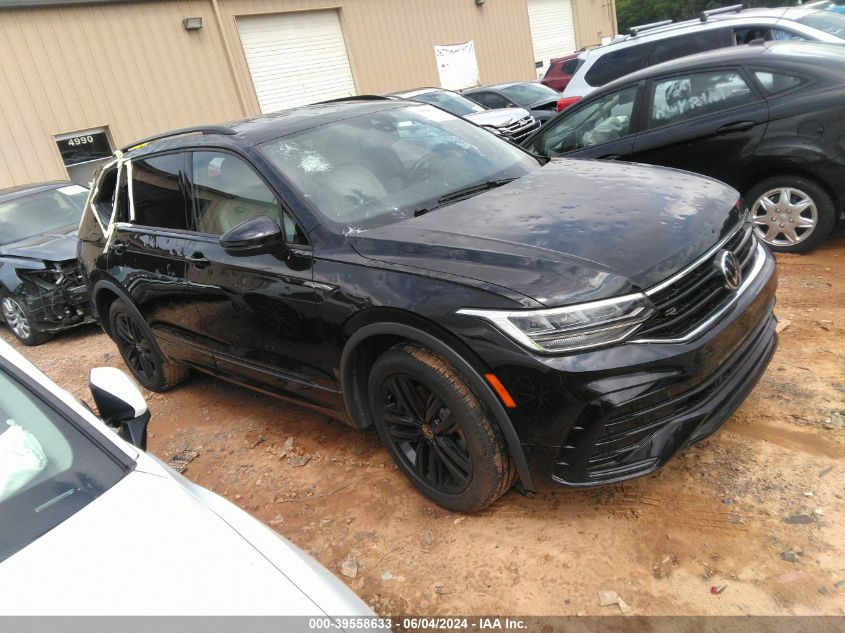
{"x":622,"y":412}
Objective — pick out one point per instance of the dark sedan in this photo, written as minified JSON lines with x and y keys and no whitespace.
{"x":541,"y":101}
{"x":768,"y":119}
{"x":41,"y":291}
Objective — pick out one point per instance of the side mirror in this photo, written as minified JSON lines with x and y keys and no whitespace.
{"x":253,"y":237}
{"x":120,"y":404}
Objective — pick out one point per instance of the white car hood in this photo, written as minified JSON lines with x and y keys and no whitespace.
{"x":152,"y":546}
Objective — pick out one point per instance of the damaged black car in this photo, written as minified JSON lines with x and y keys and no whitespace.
{"x":41,"y":290}
{"x":500,"y":319}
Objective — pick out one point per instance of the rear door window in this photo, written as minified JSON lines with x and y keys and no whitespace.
{"x":618,"y":63}
{"x":774,"y":83}
{"x":158,"y":191}
{"x":692,"y":95}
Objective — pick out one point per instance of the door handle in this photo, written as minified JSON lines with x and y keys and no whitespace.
{"x":611,"y":157}
{"x":733,"y":128}
{"x":198,"y":260}
{"x":118,"y":247}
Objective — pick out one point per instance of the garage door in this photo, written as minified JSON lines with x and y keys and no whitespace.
{"x":552,"y":31}
{"x":296,"y":58}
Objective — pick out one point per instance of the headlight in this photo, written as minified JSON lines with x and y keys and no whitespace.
{"x":571,"y":328}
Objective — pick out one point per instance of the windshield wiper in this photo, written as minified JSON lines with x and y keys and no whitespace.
{"x":463,"y":193}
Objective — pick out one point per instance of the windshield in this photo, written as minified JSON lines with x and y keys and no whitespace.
{"x":828,"y":21}
{"x":379,"y":168}
{"x":526,"y":94}
{"x":449,"y":101}
{"x":41,"y":212}
{"x":48,"y":469}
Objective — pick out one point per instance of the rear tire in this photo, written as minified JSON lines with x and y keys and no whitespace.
{"x":791,"y":214}
{"x":140,"y":351}
{"x":21,"y":322}
{"x":437,"y":431}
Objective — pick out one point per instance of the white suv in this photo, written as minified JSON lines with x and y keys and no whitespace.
{"x":731,"y":26}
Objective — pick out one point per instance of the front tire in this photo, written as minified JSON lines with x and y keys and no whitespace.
{"x":21,"y":322}
{"x":791,"y":214}
{"x":437,"y":431}
{"x":140,"y":351}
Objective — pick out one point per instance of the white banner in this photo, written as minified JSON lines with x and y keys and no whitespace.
{"x":457,"y":65}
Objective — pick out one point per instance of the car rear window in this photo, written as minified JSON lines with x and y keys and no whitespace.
{"x":775,"y":82}
{"x":615,"y":64}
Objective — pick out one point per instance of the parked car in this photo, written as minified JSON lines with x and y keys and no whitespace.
{"x":496,"y":316}
{"x":560,"y":71}
{"x":41,"y":290}
{"x":767,"y":119}
{"x":541,"y":101}
{"x":652,"y":44}
{"x":81,"y":506}
{"x":515,"y":124}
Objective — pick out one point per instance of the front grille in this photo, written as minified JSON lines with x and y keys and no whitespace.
{"x":682,"y":305}
{"x":521,"y":129}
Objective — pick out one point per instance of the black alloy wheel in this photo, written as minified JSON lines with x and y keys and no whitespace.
{"x":140,"y":352}
{"x":437,"y":431}
{"x":424,"y":432}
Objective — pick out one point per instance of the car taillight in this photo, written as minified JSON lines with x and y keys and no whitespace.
{"x":565,"y":102}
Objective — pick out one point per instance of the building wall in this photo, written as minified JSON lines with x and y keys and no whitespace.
{"x":594,"y":19}
{"x":131,"y":66}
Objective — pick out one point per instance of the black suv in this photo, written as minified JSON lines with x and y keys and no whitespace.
{"x":499,"y":318}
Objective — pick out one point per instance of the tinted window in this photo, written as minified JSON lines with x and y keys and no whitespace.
{"x":158,"y":194}
{"x":490,"y":99}
{"x":526,"y":94}
{"x":40,"y":212}
{"x":604,"y":120}
{"x":382,"y":167}
{"x":48,"y":469}
{"x":571,"y":66}
{"x":774,"y":82}
{"x":675,"y":47}
{"x":105,"y":194}
{"x":449,"y":101}
{"x":618,"y":63}
{"x":692,"y":95}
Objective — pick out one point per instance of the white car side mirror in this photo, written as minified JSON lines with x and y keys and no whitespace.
{"x":120,"y":404}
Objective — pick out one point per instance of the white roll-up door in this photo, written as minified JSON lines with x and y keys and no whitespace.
{"x":296,"y":58}
{"x":552,"y":30}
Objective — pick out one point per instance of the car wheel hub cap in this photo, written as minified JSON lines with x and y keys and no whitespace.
{"x":784,"y":216}
{"x":15,"y":318}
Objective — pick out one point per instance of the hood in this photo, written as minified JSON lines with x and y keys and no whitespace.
{"x":572,"y":231}
{"x":549,"y":104}
{"x":149,"y":547}
{"x":500,"y":117}
{"x":55,"y":246}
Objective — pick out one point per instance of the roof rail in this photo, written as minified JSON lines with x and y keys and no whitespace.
{"x":634,"y":30}
{"x":359,"y":98}
{"x":200,"y":129}
{"x":731,"y":9}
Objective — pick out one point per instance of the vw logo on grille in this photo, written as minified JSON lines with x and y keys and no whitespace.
{"x":728,"y":265}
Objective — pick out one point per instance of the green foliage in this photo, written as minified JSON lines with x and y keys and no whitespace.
{"x":633,"y":12}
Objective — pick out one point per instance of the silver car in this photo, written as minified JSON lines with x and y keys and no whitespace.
{"x":91,"y":525}
{"x":514,"y":124}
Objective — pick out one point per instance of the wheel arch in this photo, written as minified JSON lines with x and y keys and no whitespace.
{"x":368,"y":342}
{"x":103,"y":294}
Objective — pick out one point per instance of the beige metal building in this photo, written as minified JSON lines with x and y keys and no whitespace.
{"x":78,"y":79}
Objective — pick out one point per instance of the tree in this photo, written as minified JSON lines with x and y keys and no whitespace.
{"x":633,"y":12}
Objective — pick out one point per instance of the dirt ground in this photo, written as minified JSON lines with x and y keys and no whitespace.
{"x":750,"y":521}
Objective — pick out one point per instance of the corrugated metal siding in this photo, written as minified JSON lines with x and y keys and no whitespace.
{"x":131,"y":67}
{"x":391,"y":42}
{"x":594,"y":19}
